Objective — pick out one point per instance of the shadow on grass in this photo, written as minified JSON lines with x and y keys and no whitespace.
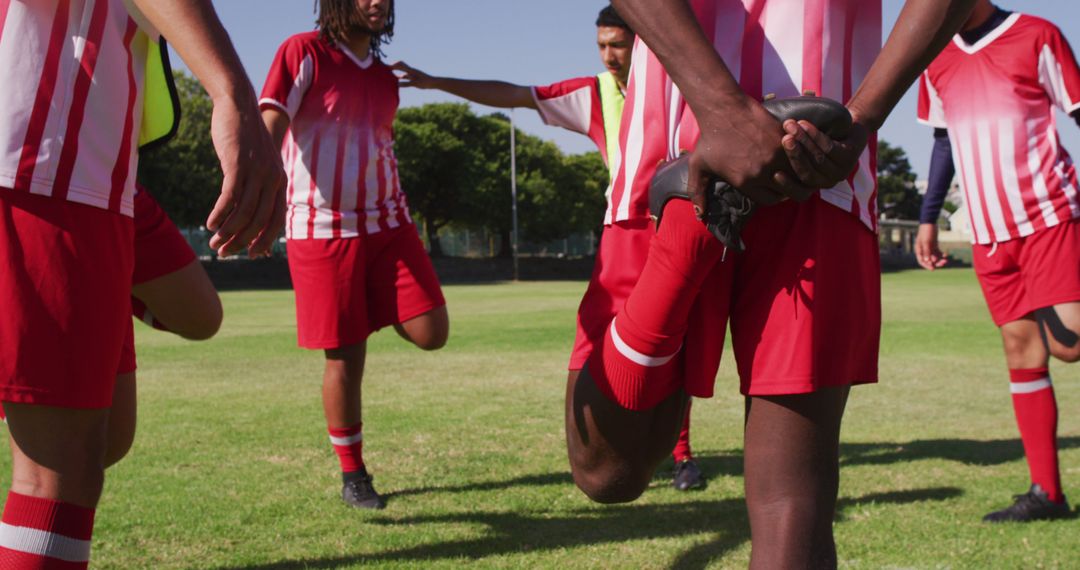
{"x":536,"y":480}
{"x":518,"y":533}
{"x":968,"y":451}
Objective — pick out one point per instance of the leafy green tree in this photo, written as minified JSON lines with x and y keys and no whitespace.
{"x":897,"y":196}
{"x":185,"y":175}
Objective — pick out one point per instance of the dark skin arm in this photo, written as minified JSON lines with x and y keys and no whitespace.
{"x":740,"y":142}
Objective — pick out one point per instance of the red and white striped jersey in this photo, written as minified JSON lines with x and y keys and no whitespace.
{"x":574,"y":105}
{"x":339,"y":151}
{"x":996,"y":98}
{"x":781,"y":47}
{"x":71,"y":80}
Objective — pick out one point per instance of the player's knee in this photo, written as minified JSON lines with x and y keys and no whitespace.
{"x":433,"y":340}
{"x":204,"y":324}
{"x":609,"y":487}
{"x":1066,"y":353}
{"x":119,"y":446}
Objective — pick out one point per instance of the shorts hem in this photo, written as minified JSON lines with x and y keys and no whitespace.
{"x":413,"y":314}
{"x":46,"y":398}
{"x":331,"y":344}
{"x":1035,"y":306}
{"x":798,"y":388}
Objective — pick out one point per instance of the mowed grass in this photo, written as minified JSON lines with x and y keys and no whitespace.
{"x":231,"y":468}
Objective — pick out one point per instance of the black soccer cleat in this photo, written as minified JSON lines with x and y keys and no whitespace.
{"x":1031,"y":506}
{"x":360,"y":493}
{"x":688,"y":476}
{"x":727,"y":210}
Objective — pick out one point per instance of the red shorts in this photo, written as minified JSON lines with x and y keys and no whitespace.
{"x":1029,"y":273}
{"x":160,"y":248}
{"x":348,"y":288}
{"x":624,"y":247}
{"x":803,"y":301}
{"x":65,"y":289}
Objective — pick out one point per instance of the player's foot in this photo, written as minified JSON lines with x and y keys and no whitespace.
{"x":688,"y":476}
{"x":1031,"y":506}
{"x":360,"y":493}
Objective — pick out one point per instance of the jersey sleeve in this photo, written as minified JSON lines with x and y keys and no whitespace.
{"x":290,"y":77}
{"x":931,"y":111}
{"x":573,"y":105}
{"x":1058,"y":72}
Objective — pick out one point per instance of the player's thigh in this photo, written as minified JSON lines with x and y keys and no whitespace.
{"x":404,"y":290}
{"x":184,"y":300}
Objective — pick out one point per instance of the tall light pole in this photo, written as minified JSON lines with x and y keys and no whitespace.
{"x":513,"y":193}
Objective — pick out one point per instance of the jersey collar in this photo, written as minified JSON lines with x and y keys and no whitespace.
{"x":361,"y":63}
{"x":988,"y":38}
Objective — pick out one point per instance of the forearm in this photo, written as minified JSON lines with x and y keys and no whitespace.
{"x":942,"y":171}
{"x":491,"y":93}
{"x":194,"y":30}
{"x":672,"y":32}
{"x":277,"y":124}
{"x":921,"y":32}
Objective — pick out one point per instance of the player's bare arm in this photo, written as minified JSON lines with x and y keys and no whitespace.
{"x":491,"y":93}
{"x":250,"y":212}
{"x":740,"y":140}
{"x":922,"y":30}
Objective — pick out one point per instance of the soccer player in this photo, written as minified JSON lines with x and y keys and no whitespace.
{"x":71,"y":86}
{"x":803,"y":300}
{"x":356,"y":259}
{"x":990,"y":96}
{"x":592,"y":106}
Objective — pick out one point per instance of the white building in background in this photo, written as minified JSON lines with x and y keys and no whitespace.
{"x":959,"y":221}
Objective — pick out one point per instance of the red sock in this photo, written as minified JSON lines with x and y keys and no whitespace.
{"x":43,"y":534}
{"x":349,"y":446}
{"x":636,"y":365}
{"x":1037,"y":417}
{"x":682,"y":447}
{"x":141,"y":312}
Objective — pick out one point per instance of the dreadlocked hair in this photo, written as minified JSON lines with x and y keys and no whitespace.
{"x":339,"y":19}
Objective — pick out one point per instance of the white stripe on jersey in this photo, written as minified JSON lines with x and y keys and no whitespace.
{"x":635,"y":141}
{"x":1037,"y":178}
{"x":1052,"y":78}
{"x":1012,"y":190}
{"x":371,"y":180}
{"x":782,"y":66}
{"x":989,"y":183}
{"x":970,"y":183}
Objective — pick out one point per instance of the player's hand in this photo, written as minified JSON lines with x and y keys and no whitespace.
{"x":818,"y":160}
{"x":927,"y":251}
{"x":412,"y":77}
{"x":250,"y":213}
{"x":741,"y":146}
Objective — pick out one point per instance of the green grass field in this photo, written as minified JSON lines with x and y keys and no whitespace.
{"x":231,"y":468}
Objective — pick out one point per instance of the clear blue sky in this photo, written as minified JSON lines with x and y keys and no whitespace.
{"x":537,"y":43}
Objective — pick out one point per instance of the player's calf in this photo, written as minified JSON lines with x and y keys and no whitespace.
{"x":429,"y":331}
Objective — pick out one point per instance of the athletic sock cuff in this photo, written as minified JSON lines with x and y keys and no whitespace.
{"x":631,"y":386}
{"x":1029,"y":374}
{"x":48,"y":515}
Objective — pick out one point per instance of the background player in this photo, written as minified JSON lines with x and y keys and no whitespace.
{"x":803,"y":299}
{"x":70,"y":86}
{"x":356,"y":259}
{"x":990,"y":96}
{"x":592,"y":106}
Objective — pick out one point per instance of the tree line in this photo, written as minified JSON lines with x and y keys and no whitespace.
{"x":454,"y":166}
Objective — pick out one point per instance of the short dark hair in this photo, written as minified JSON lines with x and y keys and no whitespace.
{"x":339,"y":18}
{"x":609,"y":18}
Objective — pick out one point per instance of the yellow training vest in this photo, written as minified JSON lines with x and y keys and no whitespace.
{"x":161,"y":103}
{"x":611,"y":102}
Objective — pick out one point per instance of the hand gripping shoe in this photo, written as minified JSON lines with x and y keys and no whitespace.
{"x":727,"y":209}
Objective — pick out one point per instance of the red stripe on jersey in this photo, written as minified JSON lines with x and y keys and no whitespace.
{"x":4,"y":6}
{"x":122,"y":169}
{"x":361,"y":184}
{"x":399,"y":195}
{"x":291,"y":190}
{"x":999,"y":183}
{"x":753,"y":50}
{"x":380,"y":167}
{"x":339,"y":174}
{"x":849,"y":49}
{"x":813,"y":46}
{"x":79,"y":96}
{"x":43,"y":100}
{"x":314,"y":189}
